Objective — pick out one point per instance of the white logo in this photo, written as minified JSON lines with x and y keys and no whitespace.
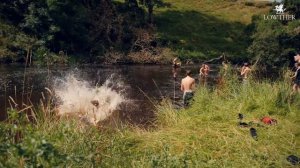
{"x":280,"y":15}
{"x":279,"y":9}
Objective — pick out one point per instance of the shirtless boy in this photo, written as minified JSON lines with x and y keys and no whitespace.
{"x":187,"y":86}
{"x":245,"y":71}
{"x":204,"y":70}
{"x":175,"y":66}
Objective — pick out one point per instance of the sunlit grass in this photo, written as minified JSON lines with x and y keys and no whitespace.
{"x":202,"y":29}
{"x":227,"y":10}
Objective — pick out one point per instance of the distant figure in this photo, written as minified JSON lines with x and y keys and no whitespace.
{"x":222,"y":75}
{"x":297,"y":58}
{"x":187,"y":86}
{"x":189,"y":62}
{"x":245,"y":71}
{"x":175,"y":66}
{"x":203,"y":73}
{"x":296,"y":78}
{"x":224,"y":68}
{"x":176,"y":63}
{"x":225,"y":65}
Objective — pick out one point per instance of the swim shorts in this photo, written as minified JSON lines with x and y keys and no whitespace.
{"x":187,"y":97}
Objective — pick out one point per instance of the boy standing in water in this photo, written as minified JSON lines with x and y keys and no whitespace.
{"x":176,"y":63}
{"x":175,"y":66}
{"x":204,"y":70}
{"x":187,"y":86}
{"x":245,"y":71}
{"x":296,"y":86}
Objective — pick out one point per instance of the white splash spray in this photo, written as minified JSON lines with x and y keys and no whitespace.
{"x":92,"y":104}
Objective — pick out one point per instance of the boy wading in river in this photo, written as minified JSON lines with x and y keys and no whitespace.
{"x":175,"y":66}
{"x":245,"y":72}
{"x":187,"y":86}
{"x":203,"y":73}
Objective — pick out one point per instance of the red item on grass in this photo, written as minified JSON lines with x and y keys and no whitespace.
{"x":268,"y":120}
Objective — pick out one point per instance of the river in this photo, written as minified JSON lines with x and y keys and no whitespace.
{"x":141,"y":84}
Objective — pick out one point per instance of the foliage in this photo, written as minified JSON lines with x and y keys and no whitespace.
{"x":15,"y":45}
{"x":293,"y":7}
{"x":150,"y":4}
{"x":26,"y":145}
{"x":88,"y":28}
{"x":274,"y":42}
{"x":266,"y":44}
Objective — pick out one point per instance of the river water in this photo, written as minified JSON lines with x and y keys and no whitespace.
{"x":140,"y":84}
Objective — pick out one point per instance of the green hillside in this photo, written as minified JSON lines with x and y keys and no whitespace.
{"x":207,"y":28}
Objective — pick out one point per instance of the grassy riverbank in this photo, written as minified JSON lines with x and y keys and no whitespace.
{"x":204,"y":135}
{"x":203,"y":29}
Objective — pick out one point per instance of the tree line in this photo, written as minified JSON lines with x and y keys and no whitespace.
{"x":51,"y":31}
{"x":85,"y":29}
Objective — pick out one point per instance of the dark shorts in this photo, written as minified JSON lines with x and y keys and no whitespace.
{"x":297,"y":82}
{"x":187,"y":97}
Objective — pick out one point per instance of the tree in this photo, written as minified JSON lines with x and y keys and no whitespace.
{"x":150,"y":4}
{"x":265,"y":46}
{"x":293,"y":6}
{"x":13,"y":11}
{"x":84,"y":27}
{"x":274,"y":43}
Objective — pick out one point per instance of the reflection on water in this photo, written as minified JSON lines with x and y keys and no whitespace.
{"x":140,"y":83}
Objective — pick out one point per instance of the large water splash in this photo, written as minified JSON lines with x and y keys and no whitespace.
{"x":92,"y":104}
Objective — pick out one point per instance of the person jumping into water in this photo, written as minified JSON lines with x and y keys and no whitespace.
{"x":296,"y":77}
{"x":187,"y":87}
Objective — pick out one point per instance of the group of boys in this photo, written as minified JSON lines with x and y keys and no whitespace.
{"x":188,"y":83}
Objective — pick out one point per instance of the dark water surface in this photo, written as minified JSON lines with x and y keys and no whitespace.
{"x":141,"y":83}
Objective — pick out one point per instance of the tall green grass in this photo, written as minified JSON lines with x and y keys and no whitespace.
{"x":204,"y":135}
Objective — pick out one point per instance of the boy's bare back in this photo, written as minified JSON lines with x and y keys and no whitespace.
{"x":187,"y":84}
